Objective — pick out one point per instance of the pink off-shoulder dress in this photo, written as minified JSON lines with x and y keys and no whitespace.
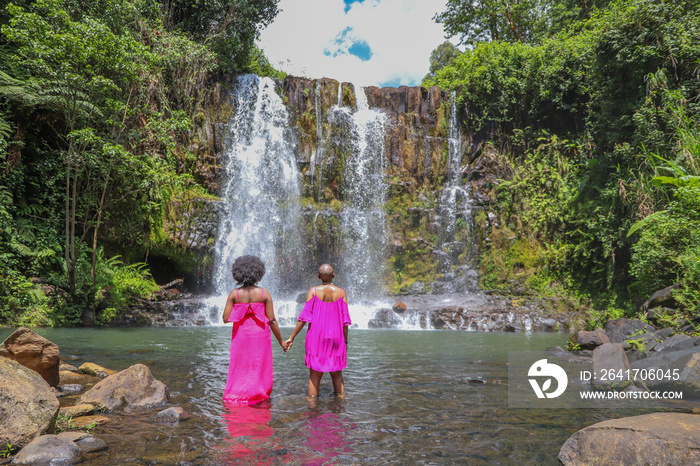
{"x":325,"y":343}
{"x":250,"y":365}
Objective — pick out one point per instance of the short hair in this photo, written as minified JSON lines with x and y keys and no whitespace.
{"x":248,"y":270}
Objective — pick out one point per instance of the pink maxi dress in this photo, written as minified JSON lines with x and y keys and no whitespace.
{"x":250,"y":365}
{"x":325,"y":344}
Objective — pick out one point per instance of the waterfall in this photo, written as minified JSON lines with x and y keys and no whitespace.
{"x":261,"y":192}
{"x":317,"y":153}
{"x":455,"y":209}
{"x":363,"y":224}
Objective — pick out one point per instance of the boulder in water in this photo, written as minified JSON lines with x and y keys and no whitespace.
{"x":28,"y":407}
{"x":49,"y":450}
{"x":33,"y":351}
{"x":86,"y":442}
{"x":95,"y":370}
{"x":399,"y":308}
{"x":134,"y":387}
{"x":172,"y":415}
{"x":658,"y":438}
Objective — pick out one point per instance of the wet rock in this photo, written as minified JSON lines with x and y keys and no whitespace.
{"x":134,"y":387}
{"x":172,"y":415}
{"x":417,"y":288}
{"x":64,"y":366}
{"x":86,"y":442}
{"x":589,"y":339}
{"x":33,"y":351}
{"x":399,"y":308}
{"x":384,"y":318}
{"x":658,"y":438}
{"x":610,"y":357}
{"x":622,"y":329}
{"x":28,"y":407}
{"x":85,"y":421}
{"x":71,"y":388}
{"x":95,"y":370}
{"x":78,"y":410}
{"x":49,"y":450}
{"x":70,"y":378}
{"x":550,"y":325}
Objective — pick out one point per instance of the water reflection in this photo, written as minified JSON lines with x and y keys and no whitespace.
{"x":325,"y":433}
{"x":248,"y":428}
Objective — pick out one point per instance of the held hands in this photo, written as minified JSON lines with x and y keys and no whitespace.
{"x":286,"y":345}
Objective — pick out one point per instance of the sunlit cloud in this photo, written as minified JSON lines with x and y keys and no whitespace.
{"x":366,"y":42}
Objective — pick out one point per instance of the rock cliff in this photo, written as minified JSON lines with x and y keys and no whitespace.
{"x":421,"y":256}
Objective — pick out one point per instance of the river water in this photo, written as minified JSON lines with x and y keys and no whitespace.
{"x":414,"y":397}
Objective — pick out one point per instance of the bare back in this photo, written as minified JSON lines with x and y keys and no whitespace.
{"x":327,"y":293}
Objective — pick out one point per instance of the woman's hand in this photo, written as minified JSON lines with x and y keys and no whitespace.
{"x":289,"y":343}
{"x":285,"y":345}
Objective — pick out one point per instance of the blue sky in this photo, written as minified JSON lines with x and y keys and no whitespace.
{"x":366,"y":42}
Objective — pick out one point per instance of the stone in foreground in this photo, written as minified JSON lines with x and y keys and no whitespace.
{"x":86,"y":442}
{"x":33,"y":351}
{"x":28,"y":407}
{"x":610,"y":357}
{"x":95,"y":370}
{"x":172,"y":415}
{"x":651,"y":439}
{"x":134,"y":387}
{"x":49,"y":450}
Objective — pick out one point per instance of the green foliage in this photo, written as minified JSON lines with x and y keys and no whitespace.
{"x":444,"y":55}
{"x":498,"y":20}
{"x":260,"y":65}
{"x":99,"y":97}
{"x":596,"y":121}
{"x":7,"y":451}
{"x":230,"y":27}
{"x":598,"y":319}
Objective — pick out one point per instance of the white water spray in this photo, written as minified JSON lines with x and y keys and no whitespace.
{"x":262,"y":216}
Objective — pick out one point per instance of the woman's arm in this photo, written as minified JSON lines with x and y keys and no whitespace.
{"x":270,"y":314}
{"x":228,"y":307}
{"x":297,"y":329}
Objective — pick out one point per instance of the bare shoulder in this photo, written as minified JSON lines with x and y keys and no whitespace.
{"x":310,"y":294}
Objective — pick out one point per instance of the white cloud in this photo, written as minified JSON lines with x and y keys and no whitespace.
{"x":306,"y":39}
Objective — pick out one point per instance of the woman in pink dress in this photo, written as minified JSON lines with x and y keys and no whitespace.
{"x":326,"y":311}
{"x":249,"y":307}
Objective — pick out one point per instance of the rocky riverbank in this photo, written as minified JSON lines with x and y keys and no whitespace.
{"x":632,"y":346}
{"x":49,"y":407}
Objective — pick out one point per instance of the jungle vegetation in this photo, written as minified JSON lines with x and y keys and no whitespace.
{"x":585,"y":112}
{"x":589,"y":113}
{"x":97,"y":103}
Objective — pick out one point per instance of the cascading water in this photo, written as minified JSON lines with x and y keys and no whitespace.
{"x":363,"y":221}
{"x":263,"y":215}
{"x":455,"y":209}
{"x":261,"y":192}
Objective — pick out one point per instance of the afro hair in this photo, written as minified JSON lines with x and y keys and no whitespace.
{"x":248,"y":270}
